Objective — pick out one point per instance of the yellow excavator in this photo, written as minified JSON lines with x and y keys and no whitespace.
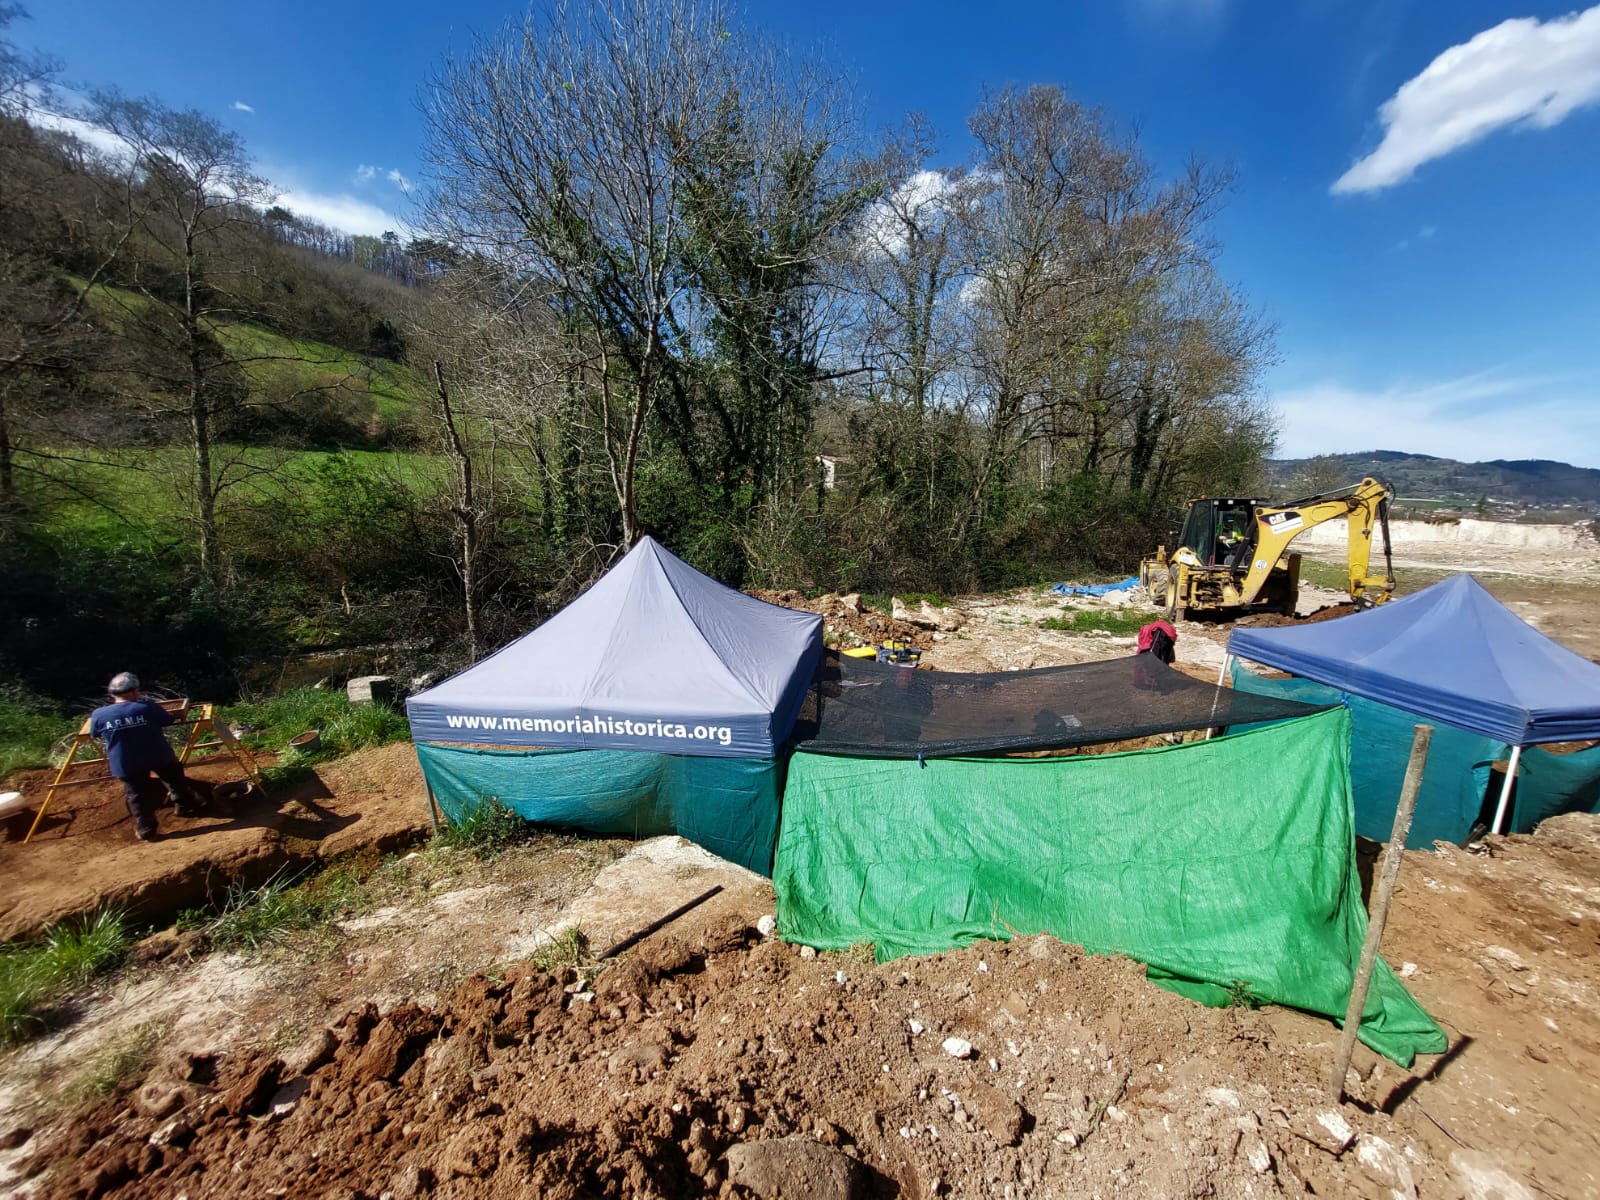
{"x":1233,"y":554}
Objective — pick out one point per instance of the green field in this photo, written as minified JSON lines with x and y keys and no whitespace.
{"x":135,"y":499}
{"x":279,"y":367}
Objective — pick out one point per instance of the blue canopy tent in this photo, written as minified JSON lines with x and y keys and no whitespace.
{"x":1451,"y":653}
{"x":659,"y":700}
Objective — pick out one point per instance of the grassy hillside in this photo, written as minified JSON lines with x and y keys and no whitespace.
{"x":134,"y":499}
{"x":379,"y":397}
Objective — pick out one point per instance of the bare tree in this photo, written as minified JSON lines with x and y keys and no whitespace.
{"x":46,"y":200}
{"x":556,"y":153}
{"x":187,"y":185}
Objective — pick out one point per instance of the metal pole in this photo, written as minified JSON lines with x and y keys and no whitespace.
{"x":433,"y":812}
{"x":1216,"y":697}
{"x":1505,"y":789}
{"x":1382,"y":893}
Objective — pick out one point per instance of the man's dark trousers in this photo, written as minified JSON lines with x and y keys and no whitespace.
{"x":139,"y":792}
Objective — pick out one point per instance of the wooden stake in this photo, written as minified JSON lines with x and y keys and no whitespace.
{"x":1382,"y":893}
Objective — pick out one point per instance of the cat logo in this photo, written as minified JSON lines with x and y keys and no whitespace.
{"x":1282,"y":522}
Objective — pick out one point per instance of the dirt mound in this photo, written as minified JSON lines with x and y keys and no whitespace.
{"x":850,"y":624}
{"x":1331,"y":612}
{"x":1071,"y":1074}
{"x":84,"y":854}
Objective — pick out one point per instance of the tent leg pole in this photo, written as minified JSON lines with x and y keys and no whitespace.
{"x":1217,"y":695}
{"x":1382,"y":893}
{"x":433,"y":812}
{"x":1505,"y":790}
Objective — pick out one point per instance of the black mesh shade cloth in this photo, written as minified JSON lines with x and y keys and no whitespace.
{"x":868,"y":709}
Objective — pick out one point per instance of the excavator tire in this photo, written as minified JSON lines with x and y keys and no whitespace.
{"x":1155,"y":588}
{"x":1173,"y":608}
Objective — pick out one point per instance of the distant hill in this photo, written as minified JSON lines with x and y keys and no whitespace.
{"x":1505,"y":488}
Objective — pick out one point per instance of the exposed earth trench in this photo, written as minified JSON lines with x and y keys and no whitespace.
{"x":413,"y":1047}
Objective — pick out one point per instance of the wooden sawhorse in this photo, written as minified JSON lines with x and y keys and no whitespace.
{"x":200,"y":718}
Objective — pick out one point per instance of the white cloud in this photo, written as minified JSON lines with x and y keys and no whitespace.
{"x":344,"y":212}
{"x":1523,"y":73}
{"x":96,"y":138}
{"x":919,"y":199}
{"x":241,"y":106}
{"x":1474,"y":418}
{"x":1422,"y":235}
{"x":366,"y":173}
{"x":338,"y":211}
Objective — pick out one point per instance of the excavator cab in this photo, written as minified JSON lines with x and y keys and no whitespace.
{"x":1220,"y":532}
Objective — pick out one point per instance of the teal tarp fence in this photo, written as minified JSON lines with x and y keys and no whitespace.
{"x":1548,"y":784}
{"x":1225,"y":865}
{"x":727,"y":805}
{"x":1453,"y":784}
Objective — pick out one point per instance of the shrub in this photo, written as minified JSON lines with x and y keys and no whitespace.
{"x":28,"y":730}
{"x":1119,"y":621}
{"x":485,"y":829}
{"x":345,"y":727}
{"x":34,"y":976}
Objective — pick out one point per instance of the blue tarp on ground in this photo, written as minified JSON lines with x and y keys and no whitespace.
{"x":1450,"y":653}
{"x":1095,"y":589}
{"x":655,"y":657}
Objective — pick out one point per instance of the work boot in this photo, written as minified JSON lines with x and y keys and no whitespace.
{"x":185,"y":806}
{"x":146,"y":834}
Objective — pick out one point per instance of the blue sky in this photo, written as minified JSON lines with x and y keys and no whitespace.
{"x":1443,"y":296}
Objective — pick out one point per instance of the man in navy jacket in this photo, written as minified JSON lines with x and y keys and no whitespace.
{"x":131,"y":729}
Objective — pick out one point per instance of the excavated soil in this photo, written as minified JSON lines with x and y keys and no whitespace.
{"x":666,"y":1072}
{"x":849,"y":624}
{"x":1082,"y":1077}
{"x":84,"y":855}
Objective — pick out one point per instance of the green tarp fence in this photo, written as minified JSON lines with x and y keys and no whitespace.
{"x":1226,"y":866}
{"x":1453,"y":786}
{"x":727,"y":805}
{"x":1549,"y":784}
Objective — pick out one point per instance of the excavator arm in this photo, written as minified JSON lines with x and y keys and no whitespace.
{"x":1365,"y":505}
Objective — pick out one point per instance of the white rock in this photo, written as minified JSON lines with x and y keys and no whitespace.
{"x":958,"y":1047}
{"x":1260,"y":1158}
{"x":916,"y":1027}
{"x":1385,"y":1165}
{"x":840,"y":977}
{"x":1337,"y":1127}
{"x":1407,"y":970}
{"x":808,"y":951}
{"x":173,"y":1132}
{"x":1481,"y":1178}
{"x":1223,"y":1097}
{"x":1067,"y":1138}
{"x":767,"y":925}
{"x":1509,"y":957}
